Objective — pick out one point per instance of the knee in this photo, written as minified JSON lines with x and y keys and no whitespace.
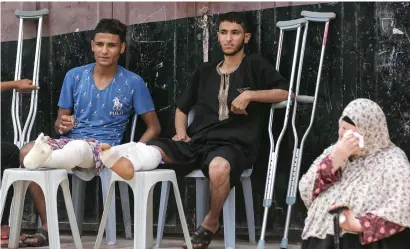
{"x":219,"y":170}
{"x":124,"y":168}
{"x":24,"y":151}
{"x":77,"y":146}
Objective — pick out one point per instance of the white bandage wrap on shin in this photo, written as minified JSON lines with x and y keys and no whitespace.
{"x":144,"y":157}
{"x":76,"y":153}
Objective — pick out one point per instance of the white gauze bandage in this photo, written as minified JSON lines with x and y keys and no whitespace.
{"x":142,"y":157}
{"x":360,"y":137}
{"x":76,"y":153}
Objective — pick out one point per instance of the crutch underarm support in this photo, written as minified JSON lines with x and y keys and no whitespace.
{"x":318,"y":16}
{"x":292,"y":24}
{"x":31,"y":14}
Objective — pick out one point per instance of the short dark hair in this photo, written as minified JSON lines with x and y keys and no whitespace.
{"x":111,"y":26}
{"x":241,"y":18}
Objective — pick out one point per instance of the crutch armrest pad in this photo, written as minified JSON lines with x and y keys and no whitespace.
{"x":318,"y":16}
{"x":292,"y":24}
{"x":31,"y":13}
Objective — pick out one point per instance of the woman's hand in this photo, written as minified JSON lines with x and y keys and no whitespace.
{"x":344,"y":148}
{"x":351,"y":223}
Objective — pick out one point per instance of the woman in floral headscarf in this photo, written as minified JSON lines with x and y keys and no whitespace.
{"x":374,"y":182}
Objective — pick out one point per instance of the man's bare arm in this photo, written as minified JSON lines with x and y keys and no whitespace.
{"x":268,"y":96}
{"x":19,"y":85}
{"x":240,"y":103}
{"x":153,"y":126}
{"x":181,"y":122}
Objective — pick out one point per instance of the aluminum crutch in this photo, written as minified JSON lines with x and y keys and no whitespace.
{"x":298,"y":148}
{"x":274,"y":150}
{"x":19,"y":134}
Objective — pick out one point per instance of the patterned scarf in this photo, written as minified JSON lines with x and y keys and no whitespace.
{"x":376,"y":182}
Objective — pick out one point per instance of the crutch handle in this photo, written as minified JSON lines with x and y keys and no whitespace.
{"x":305,"y":99}
{"x":31,"y":13}
{"x":292,"y":24}
{"x":318,"y":16}
{"x":279,"y":105}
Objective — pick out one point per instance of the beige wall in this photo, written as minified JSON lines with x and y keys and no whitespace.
{"x":67,"y":17}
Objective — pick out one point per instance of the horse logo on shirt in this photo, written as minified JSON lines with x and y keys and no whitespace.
{"x":117,"y":107}
{"x":117,"y":104}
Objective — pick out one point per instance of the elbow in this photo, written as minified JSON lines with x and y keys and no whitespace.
{"x":156,"y":130}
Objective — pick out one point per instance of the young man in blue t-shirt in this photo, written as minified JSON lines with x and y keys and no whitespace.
{"x":95,"y":106}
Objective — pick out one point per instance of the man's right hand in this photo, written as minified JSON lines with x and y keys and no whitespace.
{"x":181,"y":137}
{"x":25,"y":85}
{"x":66,"y":124}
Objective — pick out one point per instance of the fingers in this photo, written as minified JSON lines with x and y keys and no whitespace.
{"x":181,"y":138}
{"x":64,"y":129}
{"x":67,"y":118}
{"x":66,"y":123}
{"x":27,"y":81}
{"x":177,"y":138}
{"x":338,"y":205}
{"x":31,"y":87}
{"x":238,"y":110}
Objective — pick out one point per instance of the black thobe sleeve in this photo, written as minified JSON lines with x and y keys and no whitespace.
{"x":190,"y":95}
{"x":267,"y":76}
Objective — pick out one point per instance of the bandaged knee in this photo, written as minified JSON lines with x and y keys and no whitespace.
{"x":142,"y":157}
{"x":76,"y":153}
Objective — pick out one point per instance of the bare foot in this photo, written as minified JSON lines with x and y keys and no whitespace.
{"x":104,"y":147}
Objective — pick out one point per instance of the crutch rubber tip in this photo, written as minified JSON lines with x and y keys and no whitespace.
{"x":261,"y":244}
{"x":284,"y":243}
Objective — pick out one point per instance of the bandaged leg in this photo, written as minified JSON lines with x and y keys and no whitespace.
{"x":142,"y":157}
{"x":76,"y":153}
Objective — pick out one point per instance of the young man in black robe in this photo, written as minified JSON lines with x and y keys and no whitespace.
{"x":223,"y":140}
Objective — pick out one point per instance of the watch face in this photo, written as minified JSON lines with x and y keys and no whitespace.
{"x":342,"y":218}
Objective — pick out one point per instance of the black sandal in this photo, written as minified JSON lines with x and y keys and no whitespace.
{"x":202,"y":237}
{"x":41,"y":237}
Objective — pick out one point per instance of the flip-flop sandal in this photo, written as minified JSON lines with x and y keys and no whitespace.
{"x":202,"y":237}
{"x":5,"y":237}
{"x":41,"y":237}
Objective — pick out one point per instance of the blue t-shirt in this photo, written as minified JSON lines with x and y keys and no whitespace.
{"x":103,"y":114}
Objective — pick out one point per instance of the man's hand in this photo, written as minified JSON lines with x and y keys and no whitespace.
{"x":66,"y":124}
{"x":181,"y":137}
{"x":239,"y":104}
{"x":25,"y":85}
{"x":351,"y":223}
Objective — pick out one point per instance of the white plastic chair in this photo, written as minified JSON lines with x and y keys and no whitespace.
{"x":202,"y":204}
{"x":49,"y":180}
{"x":105,"y":176}
{"x":142,"y":185}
